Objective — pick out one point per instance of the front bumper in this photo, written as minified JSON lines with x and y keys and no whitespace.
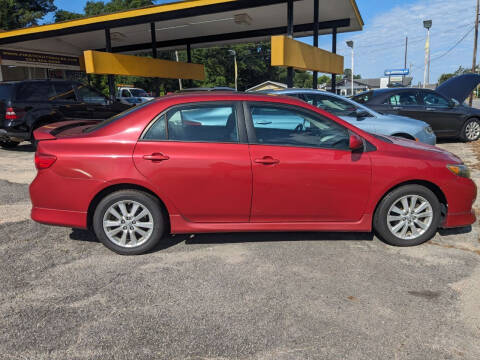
{"x":426,"y":138}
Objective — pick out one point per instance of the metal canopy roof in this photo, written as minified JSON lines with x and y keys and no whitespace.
{"x":200,"y":23}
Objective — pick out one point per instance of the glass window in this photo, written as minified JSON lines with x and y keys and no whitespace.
{"x":5,"y":91}
{"x":34,"y":91}
{"x":331,"y":104}
{"x":125,"y":93}
{"x":276,"y":125}
{"x":157,"y":131}
{"x":432,"y":99}
{"x":90,"y":96}
{"x":403,"y":98}
{"x":139,"y":93}
{"x":363,"y":98}
{"x":63,"y":91}
{"x":209,"y":123}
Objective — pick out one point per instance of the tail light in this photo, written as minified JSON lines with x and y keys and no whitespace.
{"x":44,"y":161}
{"x":10,"y":114}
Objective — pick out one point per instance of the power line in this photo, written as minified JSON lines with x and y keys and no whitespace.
{"x":455,"y":45}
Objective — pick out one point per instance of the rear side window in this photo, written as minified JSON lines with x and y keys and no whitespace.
{"x":63,"y":91}
{"x":6,"y":91}
{"x":40,"y":91}
{"x":90,"y":96}
{"x":204,"y":123}
{"x":404,"y":98}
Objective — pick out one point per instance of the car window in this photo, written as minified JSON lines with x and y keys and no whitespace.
{"x":331,"y":104}
{"x":432,"y":99}
{"x":125,"y":93}
{"x":139,"y":93}
{"x":63,"y":91}
{"x":90,"y":96}
{"x":363,"y":98}
{"x":5,"y":91}
{"x":210,"y":123}
{"x":404,"y":98}
{"x":158,"y":130}
{"x":38,"y":91}
{"x":275,"y":125}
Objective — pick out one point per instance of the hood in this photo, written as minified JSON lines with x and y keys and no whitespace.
{"x":432,"y":150}
{"x":459,"y":87}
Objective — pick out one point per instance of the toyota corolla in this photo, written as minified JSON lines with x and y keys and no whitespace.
{"x":229,"y":162}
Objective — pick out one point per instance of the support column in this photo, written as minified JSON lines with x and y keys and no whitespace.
{"x":111,"y":78}
{"x":290,"y":72}
{"x":189,"y":60}
{"x":334,"y":50}
{"x":315,"y":38}
{"x":153,"y":35}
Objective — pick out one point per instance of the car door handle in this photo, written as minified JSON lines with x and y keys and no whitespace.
{"x":397,"y":108}
{"x":156,"y":157}
{"x":430,"y":109}
{"x":267,"y":160}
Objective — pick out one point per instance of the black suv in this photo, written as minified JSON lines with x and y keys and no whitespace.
{"x":27,"y":105}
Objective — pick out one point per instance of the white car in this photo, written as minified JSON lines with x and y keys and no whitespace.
{"x":132,"y":96}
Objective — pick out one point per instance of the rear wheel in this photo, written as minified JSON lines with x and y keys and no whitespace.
{"x":129,"y":222}
{"x":471,"y":130}
{"x":9,"y":144}
{"x":407,"y":216}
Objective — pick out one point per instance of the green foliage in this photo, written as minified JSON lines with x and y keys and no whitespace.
{"x":461,"y":70}
{"x":100,"y":7}
{"x":16,"y":14}
{"x":63,"y":15}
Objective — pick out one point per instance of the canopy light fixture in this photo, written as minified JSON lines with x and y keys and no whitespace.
{"x":243,"y":19}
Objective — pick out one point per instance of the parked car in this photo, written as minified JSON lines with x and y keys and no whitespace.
{"x":132,"y":96}
{"x":363,"y":117}
{"x":164,"y":167}
{"x":442,"y":109}
{"x":28,"y":105}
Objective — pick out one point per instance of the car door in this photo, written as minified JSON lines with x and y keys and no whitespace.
{"x":403,"y":103}
{"x":344,"y":109}
{"x":304,"y":172}
{"x":446,"y":120}
{"x":197,"y":155}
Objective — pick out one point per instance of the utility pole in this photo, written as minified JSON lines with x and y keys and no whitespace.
{"x":350,"y":45}
{"x":427,"y":24}
{"x":180,"y":86}
{"x":405,"y":62}
{"x":474,"y":62}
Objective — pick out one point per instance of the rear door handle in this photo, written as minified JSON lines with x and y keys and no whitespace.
{"x":156,"y":157}
{"x":397,"y":108}
{"x":267,"y":160}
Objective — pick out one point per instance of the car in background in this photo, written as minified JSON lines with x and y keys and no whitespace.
{"x":28,"y":105}
{"x":361,"y":116}
{"x":132,"y":96}
{"x":443,"y":109}
{"x":164,"y":167}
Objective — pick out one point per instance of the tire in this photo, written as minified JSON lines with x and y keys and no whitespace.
{"x":385,"y":226}
{"x":9,"y":144}
{"x":470,"y":130}
{"x":122,"y":203}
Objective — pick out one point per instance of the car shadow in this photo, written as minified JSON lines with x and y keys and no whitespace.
{"x":455,"y":231}
{"x":235,"y":238}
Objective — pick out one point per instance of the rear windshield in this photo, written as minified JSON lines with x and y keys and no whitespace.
{"x":6,"y":91}
{"x":114,"y":118}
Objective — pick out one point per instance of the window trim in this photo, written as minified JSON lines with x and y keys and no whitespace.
{"x":235,"y":104}
{"x":252,"y":137}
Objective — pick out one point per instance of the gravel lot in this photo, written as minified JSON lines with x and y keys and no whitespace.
{"x":232,"y":296}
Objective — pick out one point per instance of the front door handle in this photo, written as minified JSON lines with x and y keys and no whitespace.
{"x":156,"y":157}
{"x":267,"y":160}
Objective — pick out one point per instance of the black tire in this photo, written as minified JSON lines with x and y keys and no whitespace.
{"x":147,"y":201}
{"x":467,"y":135}
{"x":380,"y":223}
{"x":9,"y":144}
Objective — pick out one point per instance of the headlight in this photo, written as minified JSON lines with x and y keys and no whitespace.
{"x":459,"y":170}
{"x":429,"y":130}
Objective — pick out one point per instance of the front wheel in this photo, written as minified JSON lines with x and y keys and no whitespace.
{"x":407,"y":216}
{"x":471,"y":130}
{"x":129,"y":222}
{"x":9,"y":144}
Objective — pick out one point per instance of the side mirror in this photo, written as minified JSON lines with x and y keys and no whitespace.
{"x":361,"y":114}
{"x":355,"y":142}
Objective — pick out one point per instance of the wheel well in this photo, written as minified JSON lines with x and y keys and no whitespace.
{"x":118,"y":187}
{"x":431,"y":186}
{"x":404,"y":135}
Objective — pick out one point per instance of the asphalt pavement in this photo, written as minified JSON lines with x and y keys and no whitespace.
{"x":232,"y":296}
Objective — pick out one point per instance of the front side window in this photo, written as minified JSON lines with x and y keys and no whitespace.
{"x":403,"y":99}
{"x":90,"y":96}
{"x":275,"y":125}
{"x":205,"y":123}
{"x":125,"y":93}
{"x":363,"y":98}
{"x":331,"y":104}
{"x":434,"y":100}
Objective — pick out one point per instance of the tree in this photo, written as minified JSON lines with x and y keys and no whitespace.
{"x":100,"y":7}
{"x":19,"y":14}
{"x":63,"y":15}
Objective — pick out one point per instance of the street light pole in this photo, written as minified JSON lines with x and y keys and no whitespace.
{"x":427,"y":24}
{"x":474,"y":62}
{"x":234,"y":53}
{"x":350,"y":45}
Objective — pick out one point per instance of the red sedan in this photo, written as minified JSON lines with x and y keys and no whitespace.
{"x":226,"y":162}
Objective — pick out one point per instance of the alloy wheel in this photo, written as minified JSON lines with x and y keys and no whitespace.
{"x":128,"y":223}
{"x":410,"y":217}
{"x":472,"y":131}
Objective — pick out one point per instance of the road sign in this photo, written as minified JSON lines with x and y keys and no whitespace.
{"x":397,"y":72}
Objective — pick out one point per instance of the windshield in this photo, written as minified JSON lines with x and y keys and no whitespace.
{"x":138,"y":92}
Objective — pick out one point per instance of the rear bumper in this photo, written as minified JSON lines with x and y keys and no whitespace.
{"x":460,"y":219}
{"x":15,"y":135}
{"x":74,"y":219}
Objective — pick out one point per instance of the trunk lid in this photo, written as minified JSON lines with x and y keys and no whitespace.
{"x":62,"y":129}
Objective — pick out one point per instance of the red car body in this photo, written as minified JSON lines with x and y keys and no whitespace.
{"x":234,"y":187}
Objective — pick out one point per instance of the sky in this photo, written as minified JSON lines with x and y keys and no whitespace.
{"x":381,"y":43}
